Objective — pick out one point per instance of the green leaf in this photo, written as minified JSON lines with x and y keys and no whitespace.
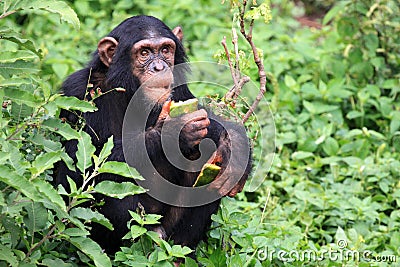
{"x":64,"y":129}
{"x":339,"y":6}
{"x":152,"y":219}
{"x":118,"y":190}
{"x":13,"y":36}
{"x":179,"y":251}
{"x":22,"y":97}
{"x":92,"y":250}
{"x":48,"y":145}
{"x":7,"y":255}
{"x":189,"y":262}
{"x":55,"y":262}
{"x":19,"y":112}
{"x":91,"y":216}
{"x":136,"y":217}
{"x":85,"y":151}
{"x":45,"y":161}
{"x":18,"y":182}
{"x":318,"y":107}
{"x":73,"y":103}
{"x":13,"y":56}
{"x":120,"y":168}
{"x":36,"y":218}
{"x":46,"y":189}
{"x":298,"y":155}
{"x":61,"y":8}
{"x":353,"y":161}
{"x":106,"y":150}
{"x":137,"y":231}
{"x":16,"y":68}
{"x":76,"y":232}
{"x":14,"y":82}
{"x":330,"y":146}
{"x":395,"y":122}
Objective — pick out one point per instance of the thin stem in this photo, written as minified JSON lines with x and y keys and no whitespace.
{"x":2,"y":16}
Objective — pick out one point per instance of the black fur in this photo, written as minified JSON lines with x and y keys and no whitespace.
{"x":186,"y":226}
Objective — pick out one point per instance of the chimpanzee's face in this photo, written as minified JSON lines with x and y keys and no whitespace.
{"x":152,"y":63}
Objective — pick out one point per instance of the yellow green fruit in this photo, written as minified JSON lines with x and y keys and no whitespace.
{"x":183,"y":107}
{"x":207,"y":174}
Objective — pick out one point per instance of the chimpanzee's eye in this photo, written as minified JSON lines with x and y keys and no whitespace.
{"x":165,"y":50}
{"x":144,"y":52}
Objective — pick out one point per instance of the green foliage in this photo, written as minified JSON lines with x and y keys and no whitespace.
{"x":335,"y":175}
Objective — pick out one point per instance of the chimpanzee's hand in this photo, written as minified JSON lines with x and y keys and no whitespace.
{"x":193,"y":125}
{"x":233,"y":175}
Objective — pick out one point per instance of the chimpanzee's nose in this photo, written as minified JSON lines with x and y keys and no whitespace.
{"x":158,"y":66}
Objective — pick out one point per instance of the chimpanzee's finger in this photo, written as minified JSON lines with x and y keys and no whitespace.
{"x":197,"y":115}
{"x":165,"y":110}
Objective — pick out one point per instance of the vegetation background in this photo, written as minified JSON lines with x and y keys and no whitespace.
{"x":334,"y":182}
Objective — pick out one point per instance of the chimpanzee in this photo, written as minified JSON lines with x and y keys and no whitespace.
{"x":138,"y":49}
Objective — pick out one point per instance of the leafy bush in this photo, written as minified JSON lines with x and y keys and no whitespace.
{"x":337,"y":116}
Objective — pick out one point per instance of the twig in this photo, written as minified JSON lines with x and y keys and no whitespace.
{"x":7,"y":14}
{"x":46,"y":237}
{"x":233,"y":72}
{"x":261,"y":72}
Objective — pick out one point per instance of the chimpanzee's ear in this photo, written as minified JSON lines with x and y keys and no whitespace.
{"x":178,"y":32}
{"x":106,"y":48}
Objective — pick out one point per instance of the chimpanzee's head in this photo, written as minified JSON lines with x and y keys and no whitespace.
{"x":137,"y":50}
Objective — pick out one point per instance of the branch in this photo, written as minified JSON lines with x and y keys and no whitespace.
{"x":2,"y":16}
{"x":230,"y":93}
{"x":260,"y":65}
{"x":49,"y":235}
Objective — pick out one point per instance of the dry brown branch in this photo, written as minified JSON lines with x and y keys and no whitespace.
{"x":238,"y":80}
{"x":260,"y":65}
{"x":231,"y":92}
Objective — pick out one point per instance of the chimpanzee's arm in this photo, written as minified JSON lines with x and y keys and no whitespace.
{"x":233,"y":155}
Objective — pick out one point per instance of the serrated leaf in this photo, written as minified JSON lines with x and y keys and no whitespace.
{"x":45,"y":161}
{"x":64,"y":129}
{"x":120,"y":168}
{"x":91,"y":216}
{"x":118,"y":190}
{"x":16,"y":68}
{"x":106,"y":150}
{"x":92,"y":250}
{"x":48,"y":145}
{"x":61,"y":8}
{"x":36,"y":218}
{"x":19,"y":112}
{"x":48,"y":190}
{"x":14,"y":82}
{"x":18,"y":182}
{"x":55,"y":262}
{"x":73,"y":103}
{"x":68,"y":161}
{"x":85,"y":151}
{"x":12,"y":56}
{"x":22,"y":97}
{"x":13,"y":36}
{"x":76,"y":232}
